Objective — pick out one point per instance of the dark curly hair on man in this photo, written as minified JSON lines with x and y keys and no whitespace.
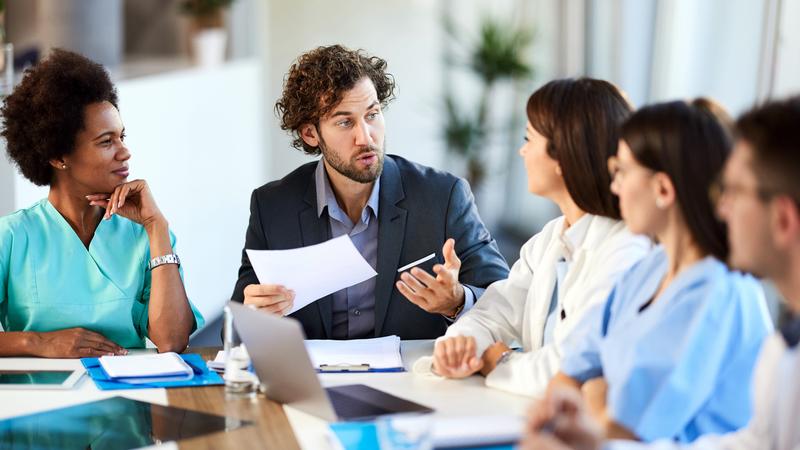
{"x":44,"y":114}
{"x":317,"y":81}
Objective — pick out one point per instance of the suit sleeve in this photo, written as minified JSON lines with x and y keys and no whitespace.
{"x":481,"y":262}
{"x":255,"y":239}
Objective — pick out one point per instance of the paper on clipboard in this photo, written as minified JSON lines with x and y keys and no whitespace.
{"x":314,"y":271}
{"x":381,"y":353}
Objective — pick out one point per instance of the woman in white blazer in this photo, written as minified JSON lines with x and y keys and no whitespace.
{"x":567,"y":267}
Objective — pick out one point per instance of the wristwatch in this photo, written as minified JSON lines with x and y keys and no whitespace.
{"x":171,"y":258}
{"x":458,"y":311}
{"x":504,"y":357}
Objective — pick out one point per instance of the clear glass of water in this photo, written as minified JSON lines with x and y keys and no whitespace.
{"x":238,"y":379}
{"x":405,"y":431}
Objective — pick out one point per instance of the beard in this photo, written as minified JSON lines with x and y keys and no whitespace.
{"x":350,"y":168}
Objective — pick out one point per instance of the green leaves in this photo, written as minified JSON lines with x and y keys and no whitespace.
{"x":498,"y":53}
{"x":202,"y":7}
{"x":461,"y":130}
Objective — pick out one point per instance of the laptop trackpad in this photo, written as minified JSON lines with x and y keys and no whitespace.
{"x":357,"y":401}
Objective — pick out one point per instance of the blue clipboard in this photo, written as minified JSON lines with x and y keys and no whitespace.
{"x":105,"y":383}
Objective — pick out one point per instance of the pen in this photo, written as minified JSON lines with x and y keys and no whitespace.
{"x":416,"y":263}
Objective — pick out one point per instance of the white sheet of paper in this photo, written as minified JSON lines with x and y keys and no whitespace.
{"x":146,"y":365}
{"x":312,"y":272}
{"x":471,"y":431}
{"x":379,"y":353}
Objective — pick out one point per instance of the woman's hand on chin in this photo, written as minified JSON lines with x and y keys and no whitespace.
{"x":132,"y":200}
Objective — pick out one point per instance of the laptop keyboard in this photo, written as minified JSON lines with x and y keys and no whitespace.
{"x":348,"y":407}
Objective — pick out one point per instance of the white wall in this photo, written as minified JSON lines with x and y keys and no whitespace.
{"x":404,"y":33}
{"x":710,"y":48}
{"x":787,"y":64}
{"x":6,"y":183}
{"x":197,"y":137}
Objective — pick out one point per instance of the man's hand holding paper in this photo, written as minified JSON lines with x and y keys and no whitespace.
{"x":292,"y":279}
{"x":272,"y":298}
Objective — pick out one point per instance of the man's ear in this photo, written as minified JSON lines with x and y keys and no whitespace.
{"x":309,"y":135}
{"x":785,"y":221}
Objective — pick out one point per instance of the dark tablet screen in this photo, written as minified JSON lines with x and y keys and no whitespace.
{"x":113,"y":423}
{"x":34,"y":376}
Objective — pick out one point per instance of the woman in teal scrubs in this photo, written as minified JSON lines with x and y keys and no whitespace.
{"x":90,"y":270}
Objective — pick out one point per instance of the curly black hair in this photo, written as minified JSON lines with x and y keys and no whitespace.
{"x":44,"y":114}
{"x":318,"y":79}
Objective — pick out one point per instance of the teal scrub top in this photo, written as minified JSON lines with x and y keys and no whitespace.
{"x":50,"y":281}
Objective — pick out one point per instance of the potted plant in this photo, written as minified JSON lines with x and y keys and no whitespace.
{"x":208,"y":38}
{"x":495,"y":55}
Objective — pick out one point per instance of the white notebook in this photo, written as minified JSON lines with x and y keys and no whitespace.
{"x":148,"y":365}
{"x":379,"y":353}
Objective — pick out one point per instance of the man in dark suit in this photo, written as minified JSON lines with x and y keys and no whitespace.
{"x":395,"y":211}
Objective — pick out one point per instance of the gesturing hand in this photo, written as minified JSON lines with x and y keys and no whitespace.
{"x":74,"y":343}
{"x":132,"y":200}
{"x":442,"y":294}
{"x":455,"y":357}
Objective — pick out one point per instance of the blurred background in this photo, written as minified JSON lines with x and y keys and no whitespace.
{"x":198,"y":80}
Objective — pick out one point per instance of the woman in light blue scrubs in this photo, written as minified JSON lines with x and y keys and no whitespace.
{"x":671,"y":353}
{"x":90,"y":270}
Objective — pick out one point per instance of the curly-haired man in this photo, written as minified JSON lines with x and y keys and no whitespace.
{"x":395,"y":211}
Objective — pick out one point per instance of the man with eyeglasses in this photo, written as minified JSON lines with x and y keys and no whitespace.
{"x":759,"y":199}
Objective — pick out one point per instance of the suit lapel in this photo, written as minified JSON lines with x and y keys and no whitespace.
{"x":315,"y":230}
{"x":391,"y":233}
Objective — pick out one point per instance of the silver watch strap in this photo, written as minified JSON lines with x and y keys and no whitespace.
{"x":504,"y":357}
{"x":171,"y":258}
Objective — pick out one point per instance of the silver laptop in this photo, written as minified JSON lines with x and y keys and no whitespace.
{"x":276,"y":347}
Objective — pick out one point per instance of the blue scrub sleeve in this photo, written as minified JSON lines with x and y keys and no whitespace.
{"x":581,"y":348}
{"x":680,"y":362}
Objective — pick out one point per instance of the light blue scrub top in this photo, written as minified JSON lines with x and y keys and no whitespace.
{"x":49,"y":280}
{"x":682,"y":367}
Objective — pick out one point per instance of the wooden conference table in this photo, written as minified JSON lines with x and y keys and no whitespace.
{"x":278,"y":427}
